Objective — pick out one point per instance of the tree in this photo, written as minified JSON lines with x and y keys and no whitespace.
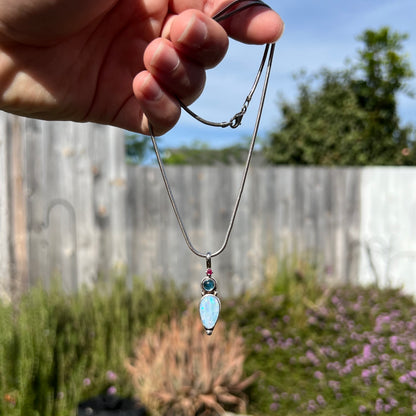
{"x":137,"y":148}
{"x":351,"y":117}
{"x":200,"y":153}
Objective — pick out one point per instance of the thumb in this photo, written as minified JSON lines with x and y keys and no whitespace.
{"x":257,"y":24}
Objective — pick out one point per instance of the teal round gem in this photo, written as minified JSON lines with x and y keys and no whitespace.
{"x":208,"y":285}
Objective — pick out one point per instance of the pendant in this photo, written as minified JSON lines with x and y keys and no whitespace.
{"x":210,"y":305}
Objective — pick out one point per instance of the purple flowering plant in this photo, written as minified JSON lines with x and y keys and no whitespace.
{"x":326,"y":351}
{"x":106,"y":383}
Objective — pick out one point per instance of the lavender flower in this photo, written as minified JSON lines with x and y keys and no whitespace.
{"x":367,"y":354}
{"x":312,"y":406}
{"x":111,"y":376}
{"x":274,"y":407}
{"x":320,"y":400}
{"x":379,"y":405}
{"x":334,"y":385}
{"x":366,"y":373}
{"x":318,"y":375}
{"x":312,"y":358}
{"x":393,"y":402}
{"x":404,"y":378}
{"x":266,"y":333}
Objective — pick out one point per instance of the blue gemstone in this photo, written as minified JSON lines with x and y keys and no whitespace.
{"x":209,"y":310}
{"x":208,"y":285}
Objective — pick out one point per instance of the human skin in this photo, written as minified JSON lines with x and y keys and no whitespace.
{"x":116,"y":62}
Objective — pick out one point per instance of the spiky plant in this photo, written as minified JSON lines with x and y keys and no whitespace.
{"x":179,"y":370}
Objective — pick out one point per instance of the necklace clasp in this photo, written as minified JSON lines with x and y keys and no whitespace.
{"x":236,"y":120}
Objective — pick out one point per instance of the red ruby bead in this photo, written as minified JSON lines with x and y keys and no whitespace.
{"x":209,"y":272}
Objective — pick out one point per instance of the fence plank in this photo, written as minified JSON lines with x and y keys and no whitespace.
{"x":107,"y":153}
{"x":5,"y":263}
{"x":36,"y":174}
{"x":18,"y":208}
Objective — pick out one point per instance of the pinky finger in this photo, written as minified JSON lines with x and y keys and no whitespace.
{"x":161,"y":109}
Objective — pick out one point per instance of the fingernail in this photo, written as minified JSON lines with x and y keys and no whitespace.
{"x":165,"y":58}
{"x":150,"y":89}
{"x":195,"y":33}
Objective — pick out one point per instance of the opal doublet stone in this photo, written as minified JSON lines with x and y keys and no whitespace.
{"x":209,"y":310}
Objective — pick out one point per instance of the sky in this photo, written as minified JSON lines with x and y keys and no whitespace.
{"x":318,"y":33}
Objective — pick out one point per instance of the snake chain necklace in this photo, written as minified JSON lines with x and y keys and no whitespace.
{"x":209,"y":307}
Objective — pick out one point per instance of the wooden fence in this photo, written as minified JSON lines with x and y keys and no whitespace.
{"x":70,"y":207}
{"x":62,"y":202}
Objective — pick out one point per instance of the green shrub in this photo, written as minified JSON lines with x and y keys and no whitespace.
{"x":328,"y":351}
{"x":56,"y":349}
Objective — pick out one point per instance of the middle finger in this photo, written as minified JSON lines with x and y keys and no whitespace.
{"x":176,"y":74}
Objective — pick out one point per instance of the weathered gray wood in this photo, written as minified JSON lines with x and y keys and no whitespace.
{"x":13,"y":205}
{"x":5,"y":273}
{"x":36,"y":174}
{"x":284,"y":212}
{"x":388,"y":227}
{"x":84,"y":206}
{"x":60,"y":187}
{"x":109,"y":176}
{"x":123,"y":218}
{"x":71,"y":172}
{"x":18,"y":208}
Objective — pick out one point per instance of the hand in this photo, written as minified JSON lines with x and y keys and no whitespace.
{"x":118,"y":62}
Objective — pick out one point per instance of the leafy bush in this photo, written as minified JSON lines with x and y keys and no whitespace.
{"x":57,"y":349}
{"x":178,"y":370}
{"x":329,"y":351}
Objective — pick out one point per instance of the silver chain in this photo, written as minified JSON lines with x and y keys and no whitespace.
{"x":233,"y":123}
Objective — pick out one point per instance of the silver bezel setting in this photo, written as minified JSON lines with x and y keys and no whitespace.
{"x":204,"y":291}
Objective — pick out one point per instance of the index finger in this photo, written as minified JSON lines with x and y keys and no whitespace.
{"x":256,"y":25}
